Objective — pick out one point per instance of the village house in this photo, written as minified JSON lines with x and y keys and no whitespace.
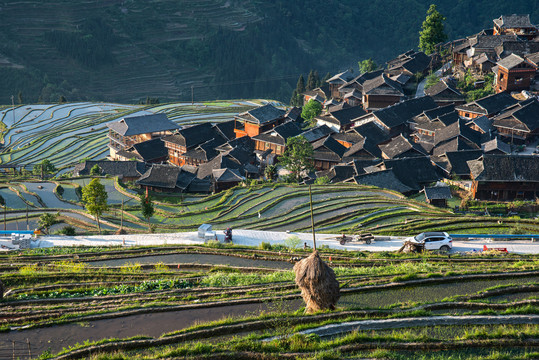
{"x":487,"y":106}
{"x":456,"y":137}
{"x":327,"y":153}
{"x":182,"y":146}
{"x":128,"y":131}
{"x":518,"y":25}
{"x":320,"y":94}
{"x":437,"y":195}
{"x":401,"y":147}
{"x":381,"y":92}
{"x":410,"y":63}
{"x":150,"y":151}
{"x":513,"y":74}
{"x":496,"y":147}
{"x":520,"y":122}
{"x":124,"y":170}
{"x":454,"y":164}
{"x":337,"y":81}
{"x":505,"y":177}
{"x":258,"y":120}
{"x":445,"y":92}
{"x":341,"y":118}
{"x":275,"y":139}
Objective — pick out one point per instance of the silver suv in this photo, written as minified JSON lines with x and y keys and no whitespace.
{"x":435,"y":240}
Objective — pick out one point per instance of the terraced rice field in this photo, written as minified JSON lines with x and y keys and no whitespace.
{"x":68,"y":133}
{"x":197,"y":302}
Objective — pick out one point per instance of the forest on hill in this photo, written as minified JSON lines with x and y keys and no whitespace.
{"x":128,"y":50}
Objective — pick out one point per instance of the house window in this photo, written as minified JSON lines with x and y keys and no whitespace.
{"x":501,"y":76}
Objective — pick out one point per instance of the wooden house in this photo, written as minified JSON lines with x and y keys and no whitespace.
{"x":400,"y":147}
{"x":454,"y":164}
{"x":520,"y":122}
{"x":128,"y":131}
{"x":258,"y":120}
{"x":505,"y":177}
{"x":151,"y":151}
{"x":496,"y":147}
{"x":180,"y":144}
{"x":487,"y":106}
{"x":166,"y":178}
{"x":409,"y":63}
{"x":456,"y":137}
{"x":340,"y":118}
{"x":519,"y":25}
{"x":513,"y":73}
{"x":275,"y":139}
{"x":124,"y":170}
{"x":381,"y":92}
{"x":327,"y":153}
{"x":337,"y":81}
{"x":445,"y":92}
{"x":437,"y":195}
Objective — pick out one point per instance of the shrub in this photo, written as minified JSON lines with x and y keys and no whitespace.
{"x":67,"y":230}
{"x":214,"y":244}
{"x":60,"y":190}
{"x":264,"y":246}
{"x":131,"y":268}
{"x":160,"y":267}
{"x":292,"y":242}
{"x":28,"y":270}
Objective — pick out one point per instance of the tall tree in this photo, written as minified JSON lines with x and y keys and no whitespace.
{"x":294,"y":98}
{"x":46,"y":221}
{"x":147,"y":208}
{"x":297,"y":157}
{"x":94,"y":198}
{"x":311,"y":110}
{"x":325,"y":78}
{"x":300,"y":86}
{"x":367,"y":65}
{"x":44,"y":168}
{"x":432,"y":32}
{"x":19,"y":97}
{"x":312,"y":80}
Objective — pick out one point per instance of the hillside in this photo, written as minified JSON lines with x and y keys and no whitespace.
{"x":128,"y":50}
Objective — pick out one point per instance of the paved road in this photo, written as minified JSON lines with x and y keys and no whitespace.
{"x":255,"y":237}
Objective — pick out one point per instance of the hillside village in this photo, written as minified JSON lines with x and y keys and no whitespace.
{"x":376,"y":128}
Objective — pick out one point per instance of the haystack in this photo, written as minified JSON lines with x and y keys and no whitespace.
{"x":318,"y":283}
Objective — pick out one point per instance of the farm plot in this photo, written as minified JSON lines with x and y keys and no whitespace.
{"x":45,"y":190}
{"x":68,"y":133}
{"x":410,"y":302}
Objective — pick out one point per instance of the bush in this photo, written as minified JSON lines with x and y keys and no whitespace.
{"x":264,"y":246}
{"x":60,"y":190}
{"x":68,"y":231}
{"x":292,"y":242}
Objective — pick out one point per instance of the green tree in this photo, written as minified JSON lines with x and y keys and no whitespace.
{"x":148,"y":210}
{"x":47,"y":220}
{"x":95,"y":170}
{"x":313,"y":80}
{"x":270,"y":171}
{"x":94,"y":198}
{"x":325,"y":78}
{"x":62,"y":99}
{"x":297,"y":157}
{"x":432,"y":79}
{"x":44,"y":168}
{"x":432,"y":32}
{"x":367,"y":65}
{"x":300,"y":86}
{"x":311,"y":110}
{"x":19,"y":97}
{"x":2,"y":201}
{"x":296,"y":99}
{"x":321,"y":180}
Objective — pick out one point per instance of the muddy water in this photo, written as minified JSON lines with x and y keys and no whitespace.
{"x":197,"y":259}
{"x":154,"y":325}
{"x":424,"y":293}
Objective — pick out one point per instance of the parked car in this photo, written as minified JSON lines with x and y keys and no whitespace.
{"x":433,"y":240}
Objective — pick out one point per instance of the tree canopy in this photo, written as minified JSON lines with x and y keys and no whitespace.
{"x":367,"y":65}
{"x":94,"y":198}
{"x":311,"y":110}
{"x":147,"y":208}
{"x":432,"y":32}
{"x":297,"y":157}
{"x":45,"y":167}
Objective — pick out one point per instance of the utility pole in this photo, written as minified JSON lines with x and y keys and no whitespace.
{"x":13,"y":105}
{"x":122,"y":216}
{"x":27,"y":225}
{"x":5,"y":210}
{"x":312,"y":217}
{"x":192,"y":95}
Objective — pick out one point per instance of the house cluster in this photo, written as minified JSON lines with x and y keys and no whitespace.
{"x":510,"y":50}
{"x":372,"y":131}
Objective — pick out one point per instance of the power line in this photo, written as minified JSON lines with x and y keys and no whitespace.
{"x":249,"y":81}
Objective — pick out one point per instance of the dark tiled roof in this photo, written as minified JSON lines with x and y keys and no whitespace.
{"x":199,"y":186}
{"x":347,"y":115}
{"x":263,"y":114}
{"x":514,"y":21}
{"x":489,"y":42}
{"x":506,"y":168}
{"x":328,"y":149}
{"x":317,"y":133}
{"x":341,"y":78}
{"x":227,"y":175}
{"x":385,"y":179}
{"x":533,"y":58}
{"x":350,"y":136}
{"x":192,"y":136}
{"x":510,"y":61}
{"x":458,"y":161}
{"x":113,"y":168}
{"x":151,"y":150}
{"x":219,"y":162}
{"x":372,"y":133}
{"x":438,"y":111}
{"x":364,"y":145}
{"x":143,"y":124}
{"x":482,"y":122}
{"x":488,"y":105}
{"x":338,"y":173}
{"x":496,"y":145}
{"x":294,"y":114}
{"x":437,"y":193}
{"x":279,"y":134}
{"x":458,"y":128}
{"x":398,"y":114}
{"x":449,"y":118}
{"x":520,"y":48}
{"x":455,"y":144}
{"x":413,"y":172}
{"x":226,"y":129}
{"x":382,"y":85}
{"x":185,"y":178}
{"x":412,"y":61}
{"x":445,"y":88}
{"x":523,"y":116}
{"x":399,"y":146}
{"x":161,"y":176}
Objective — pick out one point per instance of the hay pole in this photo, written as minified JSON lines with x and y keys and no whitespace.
{"x":312,"y":217}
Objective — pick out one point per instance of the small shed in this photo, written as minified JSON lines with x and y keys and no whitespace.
{"x":202,"y":230}
{"x":437,"y":195}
